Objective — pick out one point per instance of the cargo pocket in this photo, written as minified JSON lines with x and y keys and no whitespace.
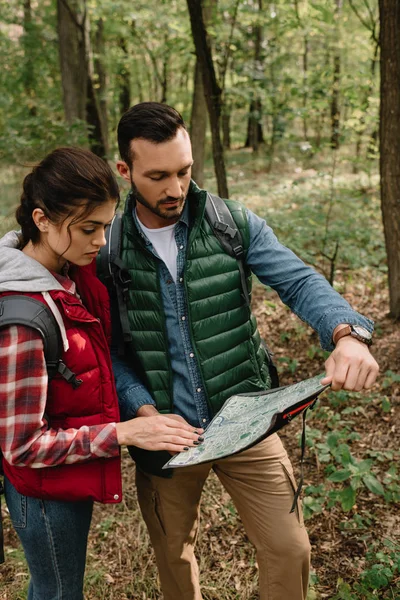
{"x":287,"y":469}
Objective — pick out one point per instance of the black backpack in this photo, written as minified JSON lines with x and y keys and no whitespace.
{"x":24,"y":310}
{"x":113,"y":273}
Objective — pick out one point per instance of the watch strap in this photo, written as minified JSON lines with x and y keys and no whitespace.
{"x":351,"y":330}
{"x":341,"y":333}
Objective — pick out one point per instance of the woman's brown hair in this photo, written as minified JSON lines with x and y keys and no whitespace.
{"x":66,"y":179}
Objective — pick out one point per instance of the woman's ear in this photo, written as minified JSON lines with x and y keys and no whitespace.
{"x":40,"y":220}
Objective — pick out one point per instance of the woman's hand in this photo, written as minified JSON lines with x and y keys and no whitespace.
{"x":158,"y":432}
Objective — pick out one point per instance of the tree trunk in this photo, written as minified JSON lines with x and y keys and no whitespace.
{"x":335,"y":108}
{"x":101,"y":76}
{"x":198,"y":126}
{"x":254,"y":127}
{"x":199,"y":116}
{"x":124,"y":80}
{"x":390,"y":143}
{"x":226,"y":126}
{"x":255,"y":135}
{"x":71,"y":16}
{"x":165,"y":71}
{"x":29,"y":63}
{"x":305,"y":85}
{"x":93,"y":116}
{"x":93,"y":119}
{"x":211,"y":89}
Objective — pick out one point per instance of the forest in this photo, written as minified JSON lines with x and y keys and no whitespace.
{"x":293,"y":108}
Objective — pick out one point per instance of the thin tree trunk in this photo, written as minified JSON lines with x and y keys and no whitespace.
{"x":198,"y":126}
{"x":124,"y":80}
{"x":226,"y":126}
{"x":199,"y":116}
{"x":102,"y":80}
{"x":211,"y":89}
{"x":29,"y":63}
{"x":254,"y":127}
{"x":93,"y":116}
{"x":165,"y":73}
{"x":390,"y":143}
{"x":305,"y":91}
{"x":335,"y":108}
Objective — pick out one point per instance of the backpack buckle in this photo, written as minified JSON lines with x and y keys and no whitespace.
{"x":225,"y":229}
{"x":238,"y":251}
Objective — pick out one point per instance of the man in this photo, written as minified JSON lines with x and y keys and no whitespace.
{"x":194,"y":343}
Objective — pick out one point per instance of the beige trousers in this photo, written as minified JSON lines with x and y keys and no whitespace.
{"x":261,"y":484}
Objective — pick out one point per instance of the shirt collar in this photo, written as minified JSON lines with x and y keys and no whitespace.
{"x":64,"y":280}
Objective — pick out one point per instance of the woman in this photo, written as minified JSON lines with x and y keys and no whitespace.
{"x":60,"y":443}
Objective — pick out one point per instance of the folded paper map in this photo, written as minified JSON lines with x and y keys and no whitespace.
{"x":246,"y":419}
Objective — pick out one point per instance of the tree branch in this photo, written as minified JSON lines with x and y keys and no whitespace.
{"x":371,"y":27}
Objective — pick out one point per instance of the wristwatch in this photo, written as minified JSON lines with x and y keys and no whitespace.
{"x":356,"y":331}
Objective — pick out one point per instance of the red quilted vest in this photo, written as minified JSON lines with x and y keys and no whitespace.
{"x":94,"y":402}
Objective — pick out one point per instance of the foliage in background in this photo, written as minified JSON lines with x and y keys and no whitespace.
{"x":148,"y":54}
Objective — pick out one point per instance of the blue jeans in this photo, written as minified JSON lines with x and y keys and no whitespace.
{"x":54,"y":537}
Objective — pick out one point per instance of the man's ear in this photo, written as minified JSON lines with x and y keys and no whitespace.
{"x":40,"y":220}
{"x":124,"y":170}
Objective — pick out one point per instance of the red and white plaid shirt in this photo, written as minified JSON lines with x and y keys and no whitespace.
{"x":25,"y":437}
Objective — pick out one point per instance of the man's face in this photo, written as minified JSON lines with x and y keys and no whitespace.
{"x":160,"y":178}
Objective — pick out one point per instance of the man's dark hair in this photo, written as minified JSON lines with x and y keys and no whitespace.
{"x":150,"y":121}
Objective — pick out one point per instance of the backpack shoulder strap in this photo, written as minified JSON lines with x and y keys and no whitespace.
{"x":114,"y":274}
{"x":24,"y":310}
{"x":225,"y":230}
{"x":111,"y":251}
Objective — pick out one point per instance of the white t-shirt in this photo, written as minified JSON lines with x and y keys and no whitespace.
{"x":163,"y":240}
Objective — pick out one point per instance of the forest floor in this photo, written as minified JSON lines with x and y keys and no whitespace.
{"x":351,"y":495}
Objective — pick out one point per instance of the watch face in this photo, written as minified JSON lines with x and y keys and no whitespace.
{"x":362,"y":332}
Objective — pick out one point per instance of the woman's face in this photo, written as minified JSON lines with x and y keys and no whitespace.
{"x":78,"y":241}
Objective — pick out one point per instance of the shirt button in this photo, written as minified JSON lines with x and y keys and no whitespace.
{"x":191,"y":355}
{"x":204,"y":420}
{"x":181,"y":247}
{"x":198,"y":390}
{"x":116,"y":497}
{"x":183,"y":318}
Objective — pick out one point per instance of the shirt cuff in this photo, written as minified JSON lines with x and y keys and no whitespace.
{"x":132,"y":400}
{"x":338,"y":316}
{"x":104,"y":441}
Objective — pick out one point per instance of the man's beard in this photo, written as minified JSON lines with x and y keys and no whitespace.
{"x":169,"y":213}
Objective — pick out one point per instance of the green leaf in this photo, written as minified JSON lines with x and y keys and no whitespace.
{"x":340,"y":475}
{"x":347,"y":498}
{"x":373,"y":484}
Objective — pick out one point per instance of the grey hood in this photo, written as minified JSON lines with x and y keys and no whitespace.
{"x":20,"y":273}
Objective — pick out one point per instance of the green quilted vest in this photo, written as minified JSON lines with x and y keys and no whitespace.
{"x":224,"y":334}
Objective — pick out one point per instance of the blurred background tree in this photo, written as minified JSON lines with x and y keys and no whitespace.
{"x":276,"y":78}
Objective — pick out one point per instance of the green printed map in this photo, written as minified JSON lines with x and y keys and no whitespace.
{"x":244,"y":420}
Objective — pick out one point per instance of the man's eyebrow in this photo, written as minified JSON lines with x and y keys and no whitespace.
{"x":161,"y":172}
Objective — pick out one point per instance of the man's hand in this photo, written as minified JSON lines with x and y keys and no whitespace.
{"x":351,"y":366}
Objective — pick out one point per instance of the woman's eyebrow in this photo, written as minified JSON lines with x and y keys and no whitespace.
{"x":92,"y":222}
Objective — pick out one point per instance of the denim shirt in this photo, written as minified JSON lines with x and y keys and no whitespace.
{"x":300,"y":287}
